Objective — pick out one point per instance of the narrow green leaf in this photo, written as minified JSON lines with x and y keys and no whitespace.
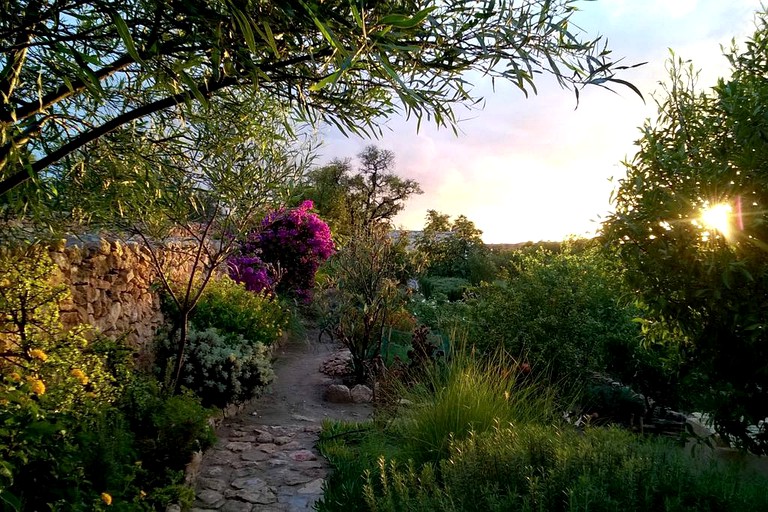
{"x":325,"y":81}
{"x":125,"y":35}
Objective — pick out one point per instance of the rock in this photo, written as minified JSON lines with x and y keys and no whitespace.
{"x":236,"y":446}
{"x":338,"y":394}
{"x":695,"y":424}
{"x":303,"y":455}
{"x":263,"y":496}
{"x":299,"y":417}
{"x":361,"y":394}
{"x":264,"y":437}
{"x":236,"y":506}
{"x":173,"y":508}
{"x":313,"y":487}
{"x":210,"y":498}
{"x":252,"y":483}
{"x":213,"y":484}
{"x":338,"y":365}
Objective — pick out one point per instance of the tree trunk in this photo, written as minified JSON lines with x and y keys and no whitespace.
{"x":183,"y":323}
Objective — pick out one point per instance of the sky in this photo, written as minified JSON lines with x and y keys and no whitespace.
{"x":538,"y":168}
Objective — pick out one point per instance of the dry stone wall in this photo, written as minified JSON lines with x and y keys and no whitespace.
{"x":112,"y":285}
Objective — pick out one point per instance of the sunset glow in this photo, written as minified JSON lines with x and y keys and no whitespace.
{"x":718,"y":217}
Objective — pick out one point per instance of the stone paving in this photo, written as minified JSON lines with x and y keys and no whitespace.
{"x":266,"y":459}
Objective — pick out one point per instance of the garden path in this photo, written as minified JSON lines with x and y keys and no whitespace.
{"x":265,"y":459}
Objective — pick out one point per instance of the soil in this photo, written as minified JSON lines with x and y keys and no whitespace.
{"x":299,"y":387}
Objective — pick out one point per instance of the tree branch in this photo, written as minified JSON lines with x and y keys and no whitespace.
{"x":110,"y":126}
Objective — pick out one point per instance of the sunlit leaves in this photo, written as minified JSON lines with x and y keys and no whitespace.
{"x":704,"y":280}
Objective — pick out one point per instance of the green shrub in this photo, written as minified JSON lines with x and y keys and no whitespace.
{"x":230,"y":308}
{"x":443,"y":288}
{"x":566,"y":311}
{"x":224,"y":368}
{"x":544,"y":468}
{"x":468,"y":395}
{"x":168,"y":429}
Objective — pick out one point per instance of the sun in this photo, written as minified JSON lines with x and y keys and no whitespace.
{"x":718,"y":217}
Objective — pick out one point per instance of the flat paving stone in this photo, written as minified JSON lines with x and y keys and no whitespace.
{"x":265,"y":459}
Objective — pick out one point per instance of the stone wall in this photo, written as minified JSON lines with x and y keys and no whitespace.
{"x":113,"y":287}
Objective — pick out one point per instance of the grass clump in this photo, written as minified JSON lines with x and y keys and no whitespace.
{"x":468,"y":395}
{"x":477,"y":434}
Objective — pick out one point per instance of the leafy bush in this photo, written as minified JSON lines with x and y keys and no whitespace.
{"x":224,"y":368}
{"x":74,"y":419}
{"x":52,"y":384}
{"x":365,"y":275}
{"x":466,"y":394}
{"x":230,"y":308}
{"x":567,"y":312}
{"x":480,"y":436}
{"x":537,"y":467}
{"x":443,"y":288}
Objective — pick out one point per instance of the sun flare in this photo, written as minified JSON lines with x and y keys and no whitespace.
{"x":718,"y":216}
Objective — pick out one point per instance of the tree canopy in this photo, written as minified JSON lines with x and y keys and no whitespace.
{"x":453,"y":248}
{"x":72,"y":72}
{"x":359,"y":199}
{"x":704,"y":284}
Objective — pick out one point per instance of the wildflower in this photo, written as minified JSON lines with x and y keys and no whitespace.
{"x":79,"y":375}
{"x":36,"y":385}
{"x":14,"y":377}
{"x":38,"y":354}
{"x":106,"y":498}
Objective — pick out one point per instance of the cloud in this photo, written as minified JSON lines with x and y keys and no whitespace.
{"x":536,"y":168}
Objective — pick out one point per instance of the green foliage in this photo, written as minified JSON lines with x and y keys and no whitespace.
{"x":355,"y":66}
{"x":566,"y":313}
{"x":453,"y":249}
{"x":230,"y":308}
{"x":703,"y":288}
{"x":464,"y":395}
{"x":364,"y":275}
{"x":443,"y":288}
{"x":167,"y":428}
{"x":480,"y":435}
{"x":537,"y":467}
{"x":224,"y":368}
{"x":74,"y":420}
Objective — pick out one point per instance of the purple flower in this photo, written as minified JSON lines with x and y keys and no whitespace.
{"x":285,"y":253}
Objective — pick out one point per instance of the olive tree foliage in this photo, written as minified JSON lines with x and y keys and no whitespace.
{"x":72,"y":72}
{"x":227,"y":165}
{"x":704,"y":289}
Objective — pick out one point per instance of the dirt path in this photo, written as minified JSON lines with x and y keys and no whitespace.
{"x":265,"y":459}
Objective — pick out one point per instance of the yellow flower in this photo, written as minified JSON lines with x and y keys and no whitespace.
{"x":38,"y":354}
{"x":37,"y":386}
{"x":14,"y":377}
{"x":106,"y":498}
{"x":79,"y":375}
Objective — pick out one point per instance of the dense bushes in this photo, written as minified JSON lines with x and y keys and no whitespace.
{"x":231,"y":308}
{"x":480,"y":435}
{"x":538,"y":467}
{"x":567,"y":314}
{"x":223,"y":368}
{"x":72,"y":423}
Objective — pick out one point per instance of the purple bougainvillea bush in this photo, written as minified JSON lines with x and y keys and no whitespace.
{"x":284,"y":253}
